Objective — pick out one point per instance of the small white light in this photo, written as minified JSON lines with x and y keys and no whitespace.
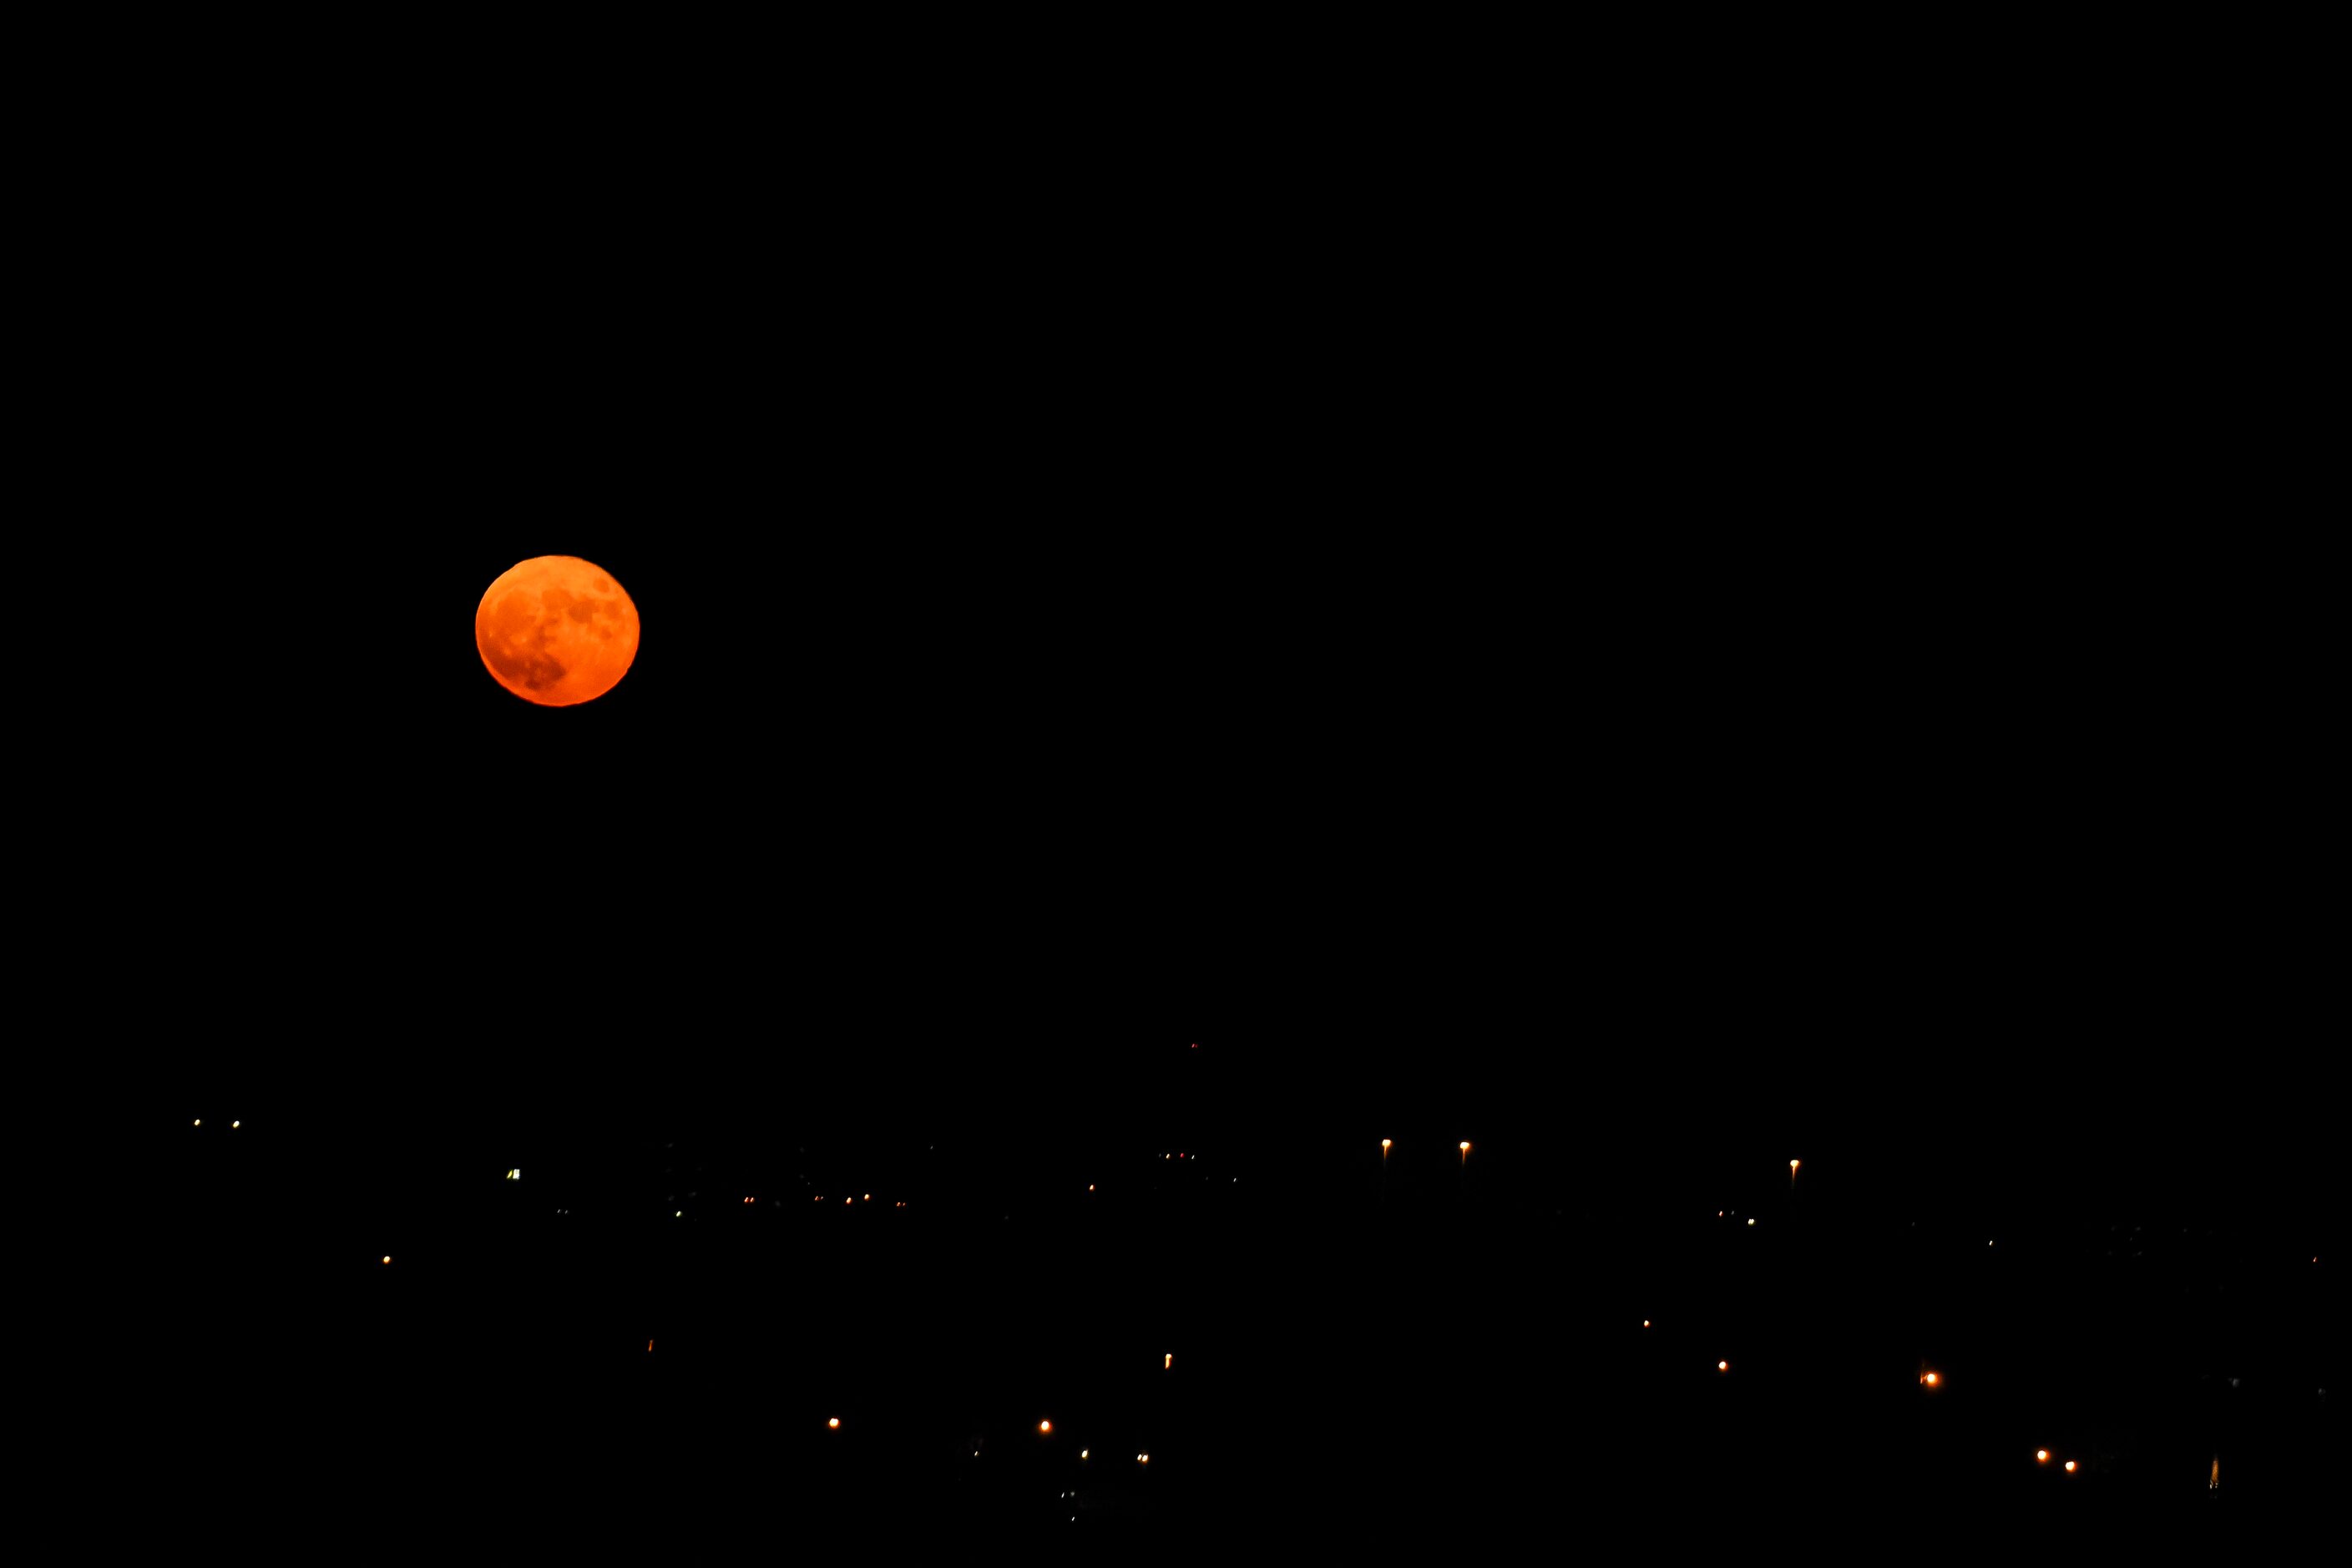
{"x":1751,"y":1222}
{"x":514,"y":1175}
{"x":1082,"y":1453}
{"x":235,"y":1125}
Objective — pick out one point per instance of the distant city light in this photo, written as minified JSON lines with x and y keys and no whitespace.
{"x":2041,"y":1456}
{"x":514,"y":1176}
{"x":1044,"y":1426}
{"x":1645,"y":1322}
{"x":1082,"y":1453}
{"x":2070,"y":1467}
{"x":1723,"y":1366}
{"x":235,"y":1125}
{"x":1929,"y":1380}
{"x":387,"y":1257}
{"x":1143,"y":1459}
{"x":200,"y":1121}
{"x":1751,"y":1219}
{"x":832,"y":1421}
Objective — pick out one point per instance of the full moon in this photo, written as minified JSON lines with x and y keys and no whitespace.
{"x":556,"y":630}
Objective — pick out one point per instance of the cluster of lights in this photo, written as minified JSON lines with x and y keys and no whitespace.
{"x":1168,"y":1360}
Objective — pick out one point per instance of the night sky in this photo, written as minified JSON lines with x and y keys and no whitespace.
{"x":1169,"y":657}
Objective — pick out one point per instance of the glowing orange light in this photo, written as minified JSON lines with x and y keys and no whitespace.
{"x":1146,"y":1459}
{"x":200,"y":1121}
{"x":867,"y":1196}
{"x":1082,"y":1453}
{"x":747,"y":1200}
{"x":1929,"y":1380}
{"x":2070,"y":1466}
{"x":1723,"y":1366}
{"x":1792,"y":1164}
{"x":2041,"y":1456}
{"x":833,"y":1421}
{"x":1385,"y":1142}
{"x":649,"y":1347}
{"x":556,"y":630}
{"x":1645,"y":1322}
{"x":387,"y":1257}
{"x":1044,"y":1426}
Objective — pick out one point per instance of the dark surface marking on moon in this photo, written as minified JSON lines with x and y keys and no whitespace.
{"x":516,"y":646}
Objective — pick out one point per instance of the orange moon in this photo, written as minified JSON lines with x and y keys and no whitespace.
{"x":556,"y":630}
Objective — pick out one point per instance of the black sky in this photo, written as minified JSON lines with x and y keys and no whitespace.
{"x":1530,"y":615}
